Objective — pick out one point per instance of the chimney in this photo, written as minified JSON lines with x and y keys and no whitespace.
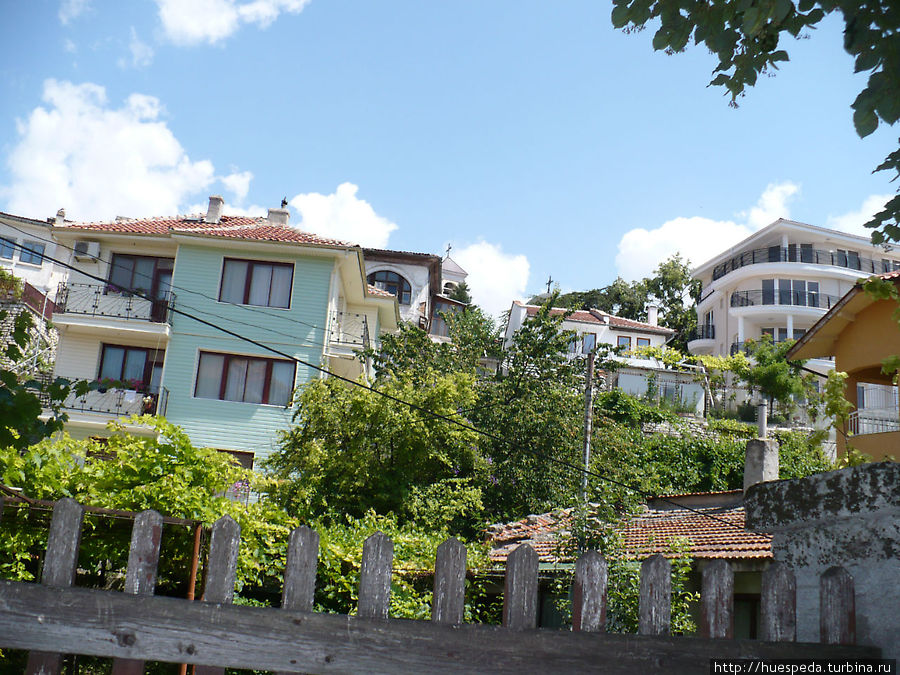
{"x":761,"y":461}
{"x":215,"y":209}
{"x":653,"y":315}
{"x":60,"y":218}
{"x":279,"y":217}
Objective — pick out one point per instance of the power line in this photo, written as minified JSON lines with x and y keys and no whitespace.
{"x":414,"y":406}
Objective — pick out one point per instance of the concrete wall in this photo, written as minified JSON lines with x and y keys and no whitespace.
{"x":849,"y":518}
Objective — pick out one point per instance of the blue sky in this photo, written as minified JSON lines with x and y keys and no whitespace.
{"x":531,"y":136}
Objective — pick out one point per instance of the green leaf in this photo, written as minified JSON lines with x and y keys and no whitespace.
{"x":865,"y":120}
{"x":620,"y":16}
{"x":782,"y":9}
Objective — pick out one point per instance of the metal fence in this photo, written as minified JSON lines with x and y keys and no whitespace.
{"x":100,"y":300}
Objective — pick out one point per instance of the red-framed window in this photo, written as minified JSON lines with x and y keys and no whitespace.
{"x":642,"y":342}
{"x":253,"y":282}
{"x":247,"y":379}
{"x":138,"y":367}
{"x":623,"y":341}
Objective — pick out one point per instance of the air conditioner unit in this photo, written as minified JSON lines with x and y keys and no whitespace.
{"x":87,"y":250}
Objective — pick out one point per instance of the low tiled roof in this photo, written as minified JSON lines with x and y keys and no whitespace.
{"x":598,"y":317}
{"x":229,"y":227}
{"x":643,"y":535}
{"x":374,"y":290}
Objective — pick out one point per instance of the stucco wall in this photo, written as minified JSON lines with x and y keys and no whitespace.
{"x":849,"y":518}
{"x":870,"y":338}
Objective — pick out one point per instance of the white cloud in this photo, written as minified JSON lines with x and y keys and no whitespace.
{"x":495,"y":278}
{"x":70,"y":46}
{"x":853,"y":221}
{"x":141,"y":52}
{"x":238,"y":183}
{"x":698,"y":239}
{"x":99,"y":161}
{"x":342,"y":215}
{"x":72,"y":9}
{"x":191,"y":22}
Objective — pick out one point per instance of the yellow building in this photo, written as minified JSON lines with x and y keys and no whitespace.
{"x":860,"y":332}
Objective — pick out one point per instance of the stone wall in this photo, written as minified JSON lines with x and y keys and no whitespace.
{"x":849,"y":518}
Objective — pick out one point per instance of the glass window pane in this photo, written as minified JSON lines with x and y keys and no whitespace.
{"x":135,"y":359}
{"x":209,"y":375}
{"x":6,"y":249}
{"x":590,"y":341}
{"x":143,"y":274}
{"x":234,"y":278}
{"x":281,"y":287}
{"x":236,"y":379}
{"x":256,"y":381}
{"x":623,"y":341}
{"x":282,"y":383}
{"x":643,"y":342}
{"x":31,"y":252}
{"x":260,"y":283}
{"x":120,"y":271}
{"x":799,"y":287}
{"x":768,"y":291}
{"x":113,"y":357}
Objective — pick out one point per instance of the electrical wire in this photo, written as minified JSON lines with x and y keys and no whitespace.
{"x":414,"y":406}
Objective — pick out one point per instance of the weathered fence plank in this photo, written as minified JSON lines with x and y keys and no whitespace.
{"x":375,"y":577}
{"x":140,"y":577}
{"x":520,"y":589}
{"x":589,"y":593}
{"x":60,"y":564}
{"x":300,"y":571}
{"x":221,"y":569}
{"x":837,"y":608}
{"x":717,"y":601}
{"x":110,"y":624}
{"x":778,"y":604}
{"x":449,"y":583}
{"x":655,"y":605}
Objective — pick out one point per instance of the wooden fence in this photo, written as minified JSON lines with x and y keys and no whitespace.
{"x":53,"y":618}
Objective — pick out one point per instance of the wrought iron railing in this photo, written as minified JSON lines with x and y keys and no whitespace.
{"x":783,"y":297}
{"x":799,"y":254}
{"x":702,"y":333}
{"x":877,"y":421}
{"x":99,"y":300}
{"x":349,"y":330}
{"x":118,"y":402}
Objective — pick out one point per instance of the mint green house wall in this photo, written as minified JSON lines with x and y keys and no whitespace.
{"x":298,"y":331}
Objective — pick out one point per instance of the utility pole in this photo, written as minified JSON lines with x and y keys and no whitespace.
{"x":588,"y":419}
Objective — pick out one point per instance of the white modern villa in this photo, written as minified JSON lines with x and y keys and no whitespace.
{"x":779,"y":282}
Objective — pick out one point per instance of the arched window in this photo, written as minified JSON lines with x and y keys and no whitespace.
{"x":392,"y":283}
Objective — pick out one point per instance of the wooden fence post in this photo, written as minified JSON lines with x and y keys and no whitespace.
{"x":375,"y":577}
{"x":140,"y":578}
{"x":300,"y":570}
{"x":589,"y":593}
{"x":520,"y":589}
{"x":449,"y":583}
{"x":778,"y":604}
{"x":655,"y":608}
{"x":837,"y":607}
{"x":221,"y":569}
{"x":60,"y":563}
{"x":717,"y":601}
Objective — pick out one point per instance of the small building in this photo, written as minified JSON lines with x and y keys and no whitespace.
{"x":24,"y":243}
{"x":859,"y":332}
{"x":421,"y":282}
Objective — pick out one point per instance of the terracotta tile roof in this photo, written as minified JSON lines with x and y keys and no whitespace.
{"x":377,"y":292}
{"x":230,"y":227}
{"x":645,"y":534}
{"x":601,"y":318}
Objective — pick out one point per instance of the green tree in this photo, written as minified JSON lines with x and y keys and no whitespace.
{"x":677,"y":294}
{"x":745,"y":36}
{"x":461,"y":293}
{"x":775,"y":377}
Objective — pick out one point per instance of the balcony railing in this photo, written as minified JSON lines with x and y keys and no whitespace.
{"x":119,"y":402}
{"x":745,"y":347}
{"x":779,"y":297}
{"x":848,"y":259}
{"x":877,"y":421}
{"x":349,"y":330}
{"x":98,"y":300}
{"x":702,"y":333}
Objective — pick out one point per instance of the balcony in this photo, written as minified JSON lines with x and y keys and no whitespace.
{"x":103,"y":301}
{"x":799,"y":254}
{"x":745,"y":348}
{"x":349,"y":331}
{"x":702,"y":333}
{"x":873,"y":421}
{"x":119,"y":402}
{"x":778,"y":297}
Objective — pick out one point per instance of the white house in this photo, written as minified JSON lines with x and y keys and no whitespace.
{"x":23,"y":244}
{"x":779,"y":282}
{"x":421,"y":282}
